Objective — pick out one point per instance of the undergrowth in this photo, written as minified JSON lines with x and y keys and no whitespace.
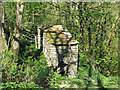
{"x":30,"y":70}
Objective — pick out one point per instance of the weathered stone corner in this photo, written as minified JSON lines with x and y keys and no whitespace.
{"x":61,"y":50}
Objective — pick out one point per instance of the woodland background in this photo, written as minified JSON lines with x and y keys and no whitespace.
{"x":93,"y":24}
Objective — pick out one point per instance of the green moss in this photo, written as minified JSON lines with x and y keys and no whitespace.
{"x":53,"y":30}
{"x":48,"y":30}
{"x":51,"y":35}
{"x":57,"y":41}
{"x":57,"y":36}
{"x":62,"y":36}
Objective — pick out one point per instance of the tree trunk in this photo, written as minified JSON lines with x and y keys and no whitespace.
{"x":40,"y":38}
{"x":3,"y":44}
{"x":119,"y":42}
{"x":2,"y":41}
{"x":39,"y":44}
{"x":36,"y":46}
{"x":15,"y":46}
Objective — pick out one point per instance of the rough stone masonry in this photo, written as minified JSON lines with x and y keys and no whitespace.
{"x":61,"y":50}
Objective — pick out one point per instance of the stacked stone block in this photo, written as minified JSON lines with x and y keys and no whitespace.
{"x":65,"y":53}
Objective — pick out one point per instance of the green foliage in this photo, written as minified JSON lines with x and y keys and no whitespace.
{"x":10,"y":15}
{"x":27,"y":72}
{"x":93,"y":24}
{"x":83,"y":80}
{"x":20,"y":85}
{"x":55,"y":79}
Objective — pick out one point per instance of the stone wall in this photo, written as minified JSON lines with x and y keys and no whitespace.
{"x":62,"y":57}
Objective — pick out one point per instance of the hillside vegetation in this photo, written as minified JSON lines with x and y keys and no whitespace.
{"x":93,"y":24}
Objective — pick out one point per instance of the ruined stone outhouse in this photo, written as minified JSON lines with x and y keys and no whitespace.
{"x":61,"y":50}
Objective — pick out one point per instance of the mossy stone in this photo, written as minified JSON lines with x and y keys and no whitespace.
{"x":57,"y":36}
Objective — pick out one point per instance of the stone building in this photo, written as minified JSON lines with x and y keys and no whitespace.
{"x":61,"y":50}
